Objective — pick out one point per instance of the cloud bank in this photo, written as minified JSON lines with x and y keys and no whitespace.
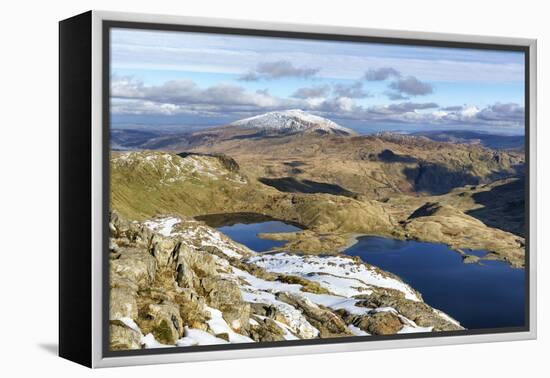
{"x":187,"y":98}
{"x":381,"y":74}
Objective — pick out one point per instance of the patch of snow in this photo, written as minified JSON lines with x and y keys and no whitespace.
{"x":218,"y":325}
{"x":344,"y":286}
{"x":194,"y":337}
{"x":207,"y":237}
{"x":293,"y":317}
{"x":265,"y":285}
{"x":149,"y":341}
{"x":337,"y":303}
{"x":214,"y":239}
{"x":342,"y":275}
{"x":291,"y":120}
{"x":411,"y":327}
{"x":131,"y":324}
{"x":257,"y":290}
{"x":446,"y":317}
{"x":417,"y":329}
{"x":286,"y":329}
{"x":357,"y":331}
{"x":163,"y":226}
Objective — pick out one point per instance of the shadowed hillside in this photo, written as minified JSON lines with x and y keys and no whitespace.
{"x":503,"y":206}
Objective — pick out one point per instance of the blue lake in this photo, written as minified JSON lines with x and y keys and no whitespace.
{"x":488,"y":294}
{"x":247,"y":234}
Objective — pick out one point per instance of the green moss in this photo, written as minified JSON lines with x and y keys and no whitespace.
{"x":163,"y":332}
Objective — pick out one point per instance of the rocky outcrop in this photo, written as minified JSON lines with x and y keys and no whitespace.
{"x":327,"y":322}
{"x":227,"y":161}
{"x":436,"y":222}
{"x":419,"y":312}
{"x":265,"y":329}
{"x":123,"y":303}
{"x":163,"y":320}
{"x":177,"y":282}
{"x":378,"y":323}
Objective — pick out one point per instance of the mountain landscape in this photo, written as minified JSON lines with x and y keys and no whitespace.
{"x":275,"y":189}
{"x":176,"y":280}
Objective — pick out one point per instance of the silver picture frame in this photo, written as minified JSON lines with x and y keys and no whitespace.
{"x":98,"y":358}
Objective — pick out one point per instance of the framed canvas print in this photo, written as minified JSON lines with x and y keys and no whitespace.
{"x":236,"y":189}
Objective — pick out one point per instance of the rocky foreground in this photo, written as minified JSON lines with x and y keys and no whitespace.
{"x":177,"y":282}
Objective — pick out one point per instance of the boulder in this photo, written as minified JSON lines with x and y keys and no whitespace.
{"x":139,"y":234}
{"x":381,"y":323}
{"x":136,"y":266}
{"x":470,"y":259}
{"x":163,"y":321}
{"x":118,"y":225}
{"x":118,"y":281}
{"x":225,"y":295}
{"x":327,"y":322}
{"x":122,"y":303}
{"x":265,"y":330}
{"x":123,"y":337}
{"x":188,"y":259}
{"x":128,"y":232}
{"x":192,"y":309}
{"x":193,"y":265}
{"x":419,"y":312}
{"x":165,"y":250}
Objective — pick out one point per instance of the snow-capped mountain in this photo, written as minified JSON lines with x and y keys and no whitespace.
{"x":290,"y":121}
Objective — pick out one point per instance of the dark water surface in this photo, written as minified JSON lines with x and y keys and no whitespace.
{"x":244,"y":228}
{"x":488,"y":294}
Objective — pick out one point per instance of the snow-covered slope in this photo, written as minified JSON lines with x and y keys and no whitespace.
{"x":294,"y":120}
{"x":206,"y":289}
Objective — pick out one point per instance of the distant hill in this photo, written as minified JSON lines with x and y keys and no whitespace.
{"x":282,"y":124}
{"x":268,"y":125}
{"x":127,"y":139}
{"x":499,"y":142}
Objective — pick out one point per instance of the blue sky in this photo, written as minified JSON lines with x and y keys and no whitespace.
{"x":189,"y":79}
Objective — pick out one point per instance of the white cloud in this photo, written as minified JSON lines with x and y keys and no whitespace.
{"x":469,"y":111}
{"x":185,"y":97}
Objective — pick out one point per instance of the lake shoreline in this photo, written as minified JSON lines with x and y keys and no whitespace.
{"x":432,"y":259}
